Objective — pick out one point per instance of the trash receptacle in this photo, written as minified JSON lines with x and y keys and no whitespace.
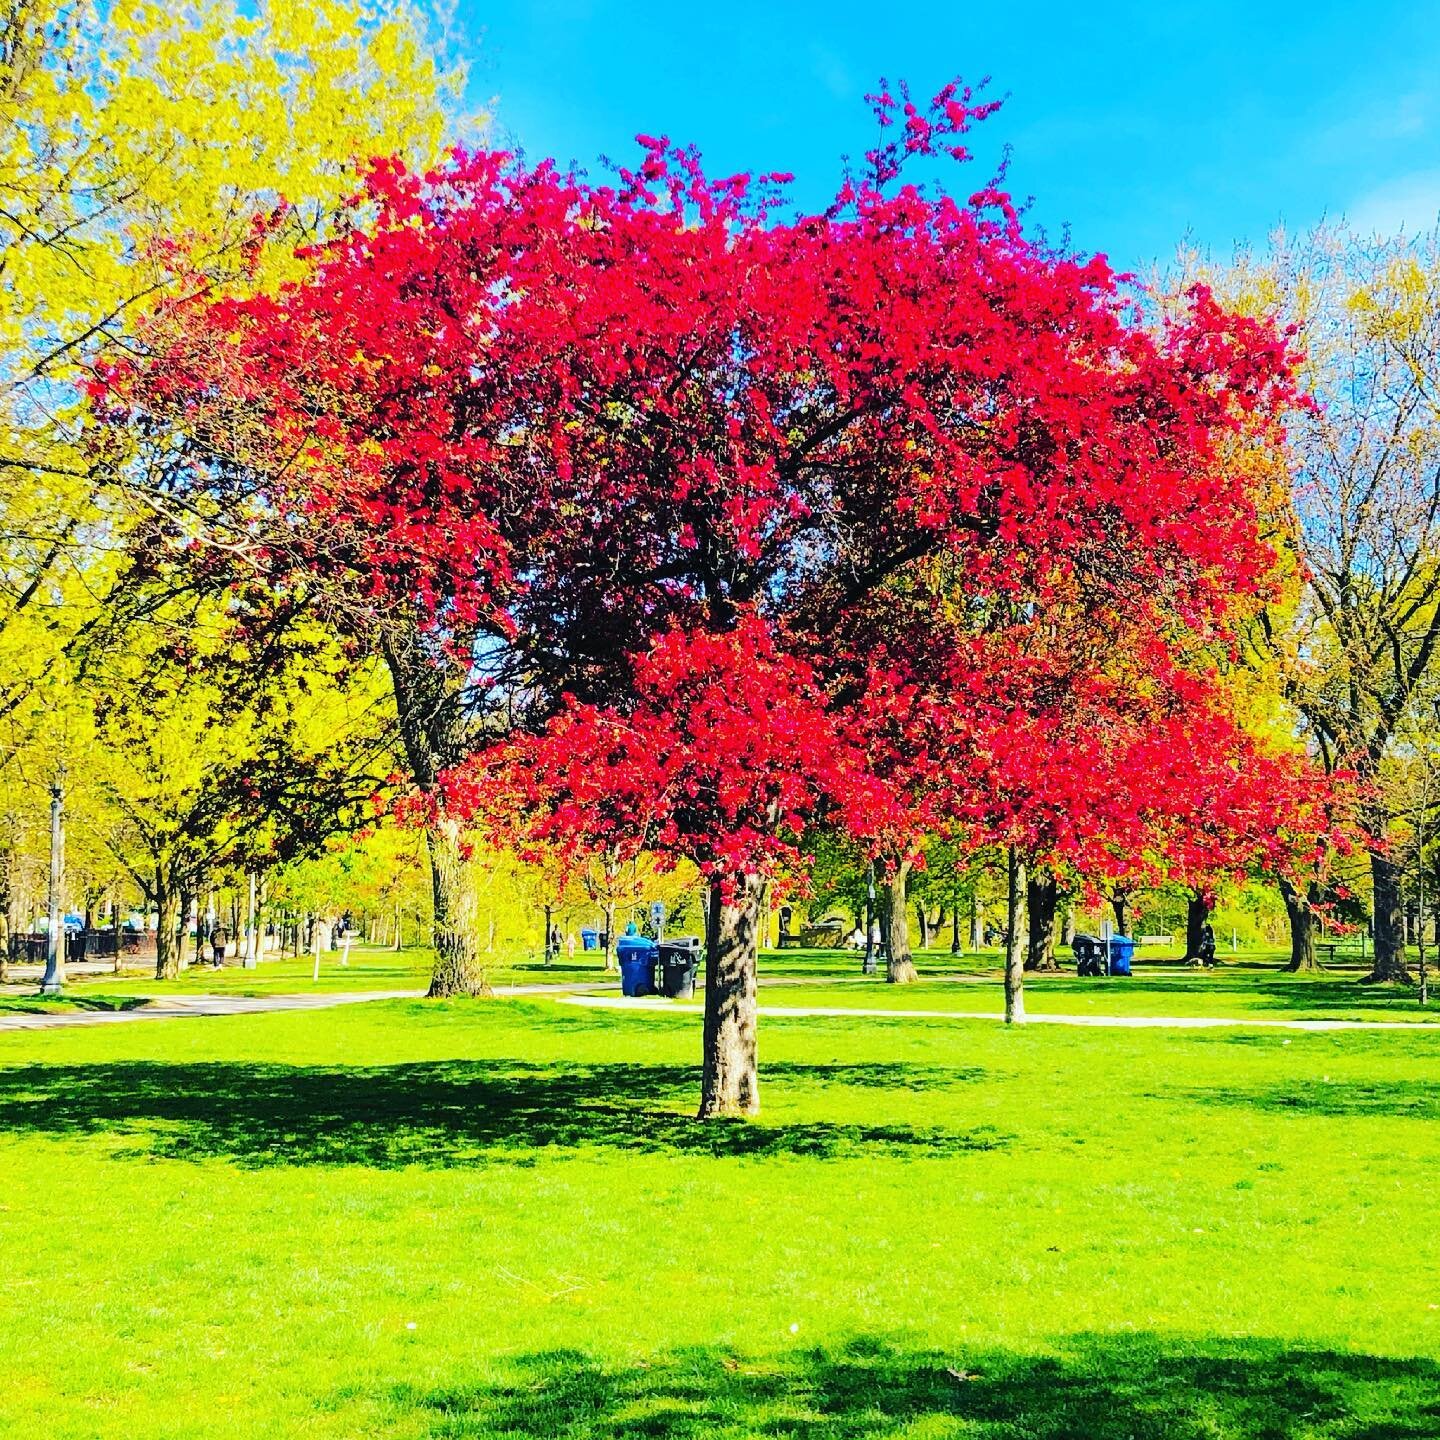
{"x":1122,"y":950}
{"x":1089,"y":956}
{"x":679,"y":962}
{"x":589,"y":939}
{"x":637,"y":965}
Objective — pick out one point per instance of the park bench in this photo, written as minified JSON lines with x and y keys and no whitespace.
{"x":824,"y":936}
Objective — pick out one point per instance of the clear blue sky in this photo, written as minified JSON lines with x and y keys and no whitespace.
{"x":1134,"y":124}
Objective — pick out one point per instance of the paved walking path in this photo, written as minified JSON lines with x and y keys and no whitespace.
{"x":26,"y":970}
{"x":1120,"y":1022}
{"x":173,"y":1007}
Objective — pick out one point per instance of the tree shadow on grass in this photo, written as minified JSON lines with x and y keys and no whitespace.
{"x":1407,"y":1099}
{"x":436,"y":1114}
{"x":876,"y":1075}
{"x":68,"y":1004}
{"x":1106,"y":1387}
{"x":1270,"y":991}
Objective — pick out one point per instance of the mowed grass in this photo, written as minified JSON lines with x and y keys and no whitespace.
{"x":497,"y":1218}
{"x":1252,"y":987}
{"x":369,"y":968}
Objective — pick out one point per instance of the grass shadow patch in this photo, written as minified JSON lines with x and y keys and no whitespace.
{"x":69,"y":1004}
{"x":1405,"y":1099}
{"x":434,"y":1114}
{"x":1105,"y":1387}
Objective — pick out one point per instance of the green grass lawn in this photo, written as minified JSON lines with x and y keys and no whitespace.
{"x":369,"y":968}
{"x":1255,"y":988}
{"x":497,"y":1218}
{"x":1251,"y":987}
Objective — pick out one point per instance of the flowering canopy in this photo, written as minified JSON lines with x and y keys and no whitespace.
{"x":656,"y":445}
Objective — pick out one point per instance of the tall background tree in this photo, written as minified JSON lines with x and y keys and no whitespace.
{"x":1358,"y":650}
{"x":149,"y":151}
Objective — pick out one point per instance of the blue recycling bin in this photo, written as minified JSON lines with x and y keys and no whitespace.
{"x":637,"y":965}
{"x":1122,"y":951}
{"x":589,"y":939}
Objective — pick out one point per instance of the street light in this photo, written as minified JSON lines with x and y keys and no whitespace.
{"x":54,"y":978}
{"x":869,"y":967}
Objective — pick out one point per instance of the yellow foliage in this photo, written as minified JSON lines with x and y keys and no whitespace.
{"x":142,"y":142}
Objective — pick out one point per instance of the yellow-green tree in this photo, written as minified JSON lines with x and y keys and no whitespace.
{"x":212,"y":777}
{"x":148,"y":147}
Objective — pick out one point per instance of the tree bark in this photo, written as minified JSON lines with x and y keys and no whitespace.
{"x":955,"y":928}
{"x":924,"y":920}
{"x":1041,"y":898}
{"x":1015,"y":945}
{"x":610,"y":937}
{"x":167,"y":958}
{"x":977,"y":923}
{"x":182,"y":934}
{"x":459,"y":970}
{"x":899,"y":969}
{"x":730,"y":1083}
{"x":1197,"y":912}
{"x":429,"y":687}
{"x":1301,"y":915}
{"x":7,"y":909}
{"x":1390,"y":962}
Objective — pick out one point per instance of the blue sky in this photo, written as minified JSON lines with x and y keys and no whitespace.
{"x":1134,"y":125}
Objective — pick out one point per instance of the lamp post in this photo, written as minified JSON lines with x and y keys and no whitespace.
{"x":54,"y":979}
{"x":869,"y":967}
{"x":251,"y":951}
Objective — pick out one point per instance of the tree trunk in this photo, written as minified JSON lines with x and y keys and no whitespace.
{"x":459,"y":969}
{"x":429,"y":688}
{"x":1302,"y":928}
{"x":1041,"y":896}
{"x":1068,"y":935}
{"x":182,"y":934}
{"x":610,"y":937}
{"x":1390,"y":962}
{"x":1120,"y":904}
{"x":167,"y":958}
{"x":1197,"y":912}
{"x":899,"y":969}
{"x":1015,"y":945}
{"x":924,"y":920}
{"x":955,"y":928}
{"x":730,"y":1084}
{"x":7,"y":909}
{"x":977,"y":923}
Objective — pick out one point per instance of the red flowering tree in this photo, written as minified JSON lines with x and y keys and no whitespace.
{"x":641,"y":449}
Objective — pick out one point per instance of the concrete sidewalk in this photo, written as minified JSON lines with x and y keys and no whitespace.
{"x":1119,"y":1022}
{"x":178,"y":1007}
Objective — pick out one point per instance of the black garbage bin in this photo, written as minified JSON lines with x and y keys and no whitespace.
{"x":679,"y":962}
{"x":1089,"y":955}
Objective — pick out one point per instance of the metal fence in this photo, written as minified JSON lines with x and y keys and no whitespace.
{"x":83,"y":945}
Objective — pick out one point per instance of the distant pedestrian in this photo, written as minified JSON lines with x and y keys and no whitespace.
{"x":570,"y":946}
{"x":218,"y":937}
